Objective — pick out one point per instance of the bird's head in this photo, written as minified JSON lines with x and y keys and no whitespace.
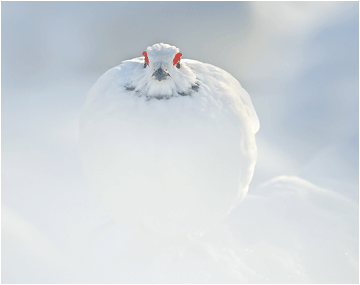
{"x":163,"y":73}
{"x":162,"y":59}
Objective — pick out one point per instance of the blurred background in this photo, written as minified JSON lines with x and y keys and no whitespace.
{"x":299,"y":61}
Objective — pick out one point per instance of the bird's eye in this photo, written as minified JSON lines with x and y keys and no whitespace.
{"x":178,"y":65}
{"x":146,"y":59}
{"x":176,"y":59}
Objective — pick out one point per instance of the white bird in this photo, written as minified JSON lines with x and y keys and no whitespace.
{"x":168,"y":143}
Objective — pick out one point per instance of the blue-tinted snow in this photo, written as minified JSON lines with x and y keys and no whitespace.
{"x":299,"y":63}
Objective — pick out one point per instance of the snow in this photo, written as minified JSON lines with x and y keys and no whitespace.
{"x":299,"y":221}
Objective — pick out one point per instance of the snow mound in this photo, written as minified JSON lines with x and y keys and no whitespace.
{"x":298,"y":232}
{"x":288,"y":231}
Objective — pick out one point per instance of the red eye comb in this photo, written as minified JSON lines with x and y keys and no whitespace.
{"x":177,"y":58}
{"x":146,"y":58}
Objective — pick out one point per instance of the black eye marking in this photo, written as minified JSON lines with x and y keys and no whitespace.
{"x":178,"y":65}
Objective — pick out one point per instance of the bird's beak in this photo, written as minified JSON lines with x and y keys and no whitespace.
{"x":160,"y":74}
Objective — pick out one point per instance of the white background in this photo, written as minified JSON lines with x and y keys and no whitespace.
{"x":299,"y":61}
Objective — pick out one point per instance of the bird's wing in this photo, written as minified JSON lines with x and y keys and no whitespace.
{"x":115,"y":80}
{"x":224,"y":84}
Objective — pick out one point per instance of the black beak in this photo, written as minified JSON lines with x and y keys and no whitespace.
{"x":160,"y":74}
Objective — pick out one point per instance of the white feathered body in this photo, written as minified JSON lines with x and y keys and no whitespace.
{"x":173,"y":164}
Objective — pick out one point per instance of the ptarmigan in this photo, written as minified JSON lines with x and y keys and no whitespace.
{"x":168,"y":144}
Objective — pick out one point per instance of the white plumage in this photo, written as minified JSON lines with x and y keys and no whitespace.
{"x":168,"y":144}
